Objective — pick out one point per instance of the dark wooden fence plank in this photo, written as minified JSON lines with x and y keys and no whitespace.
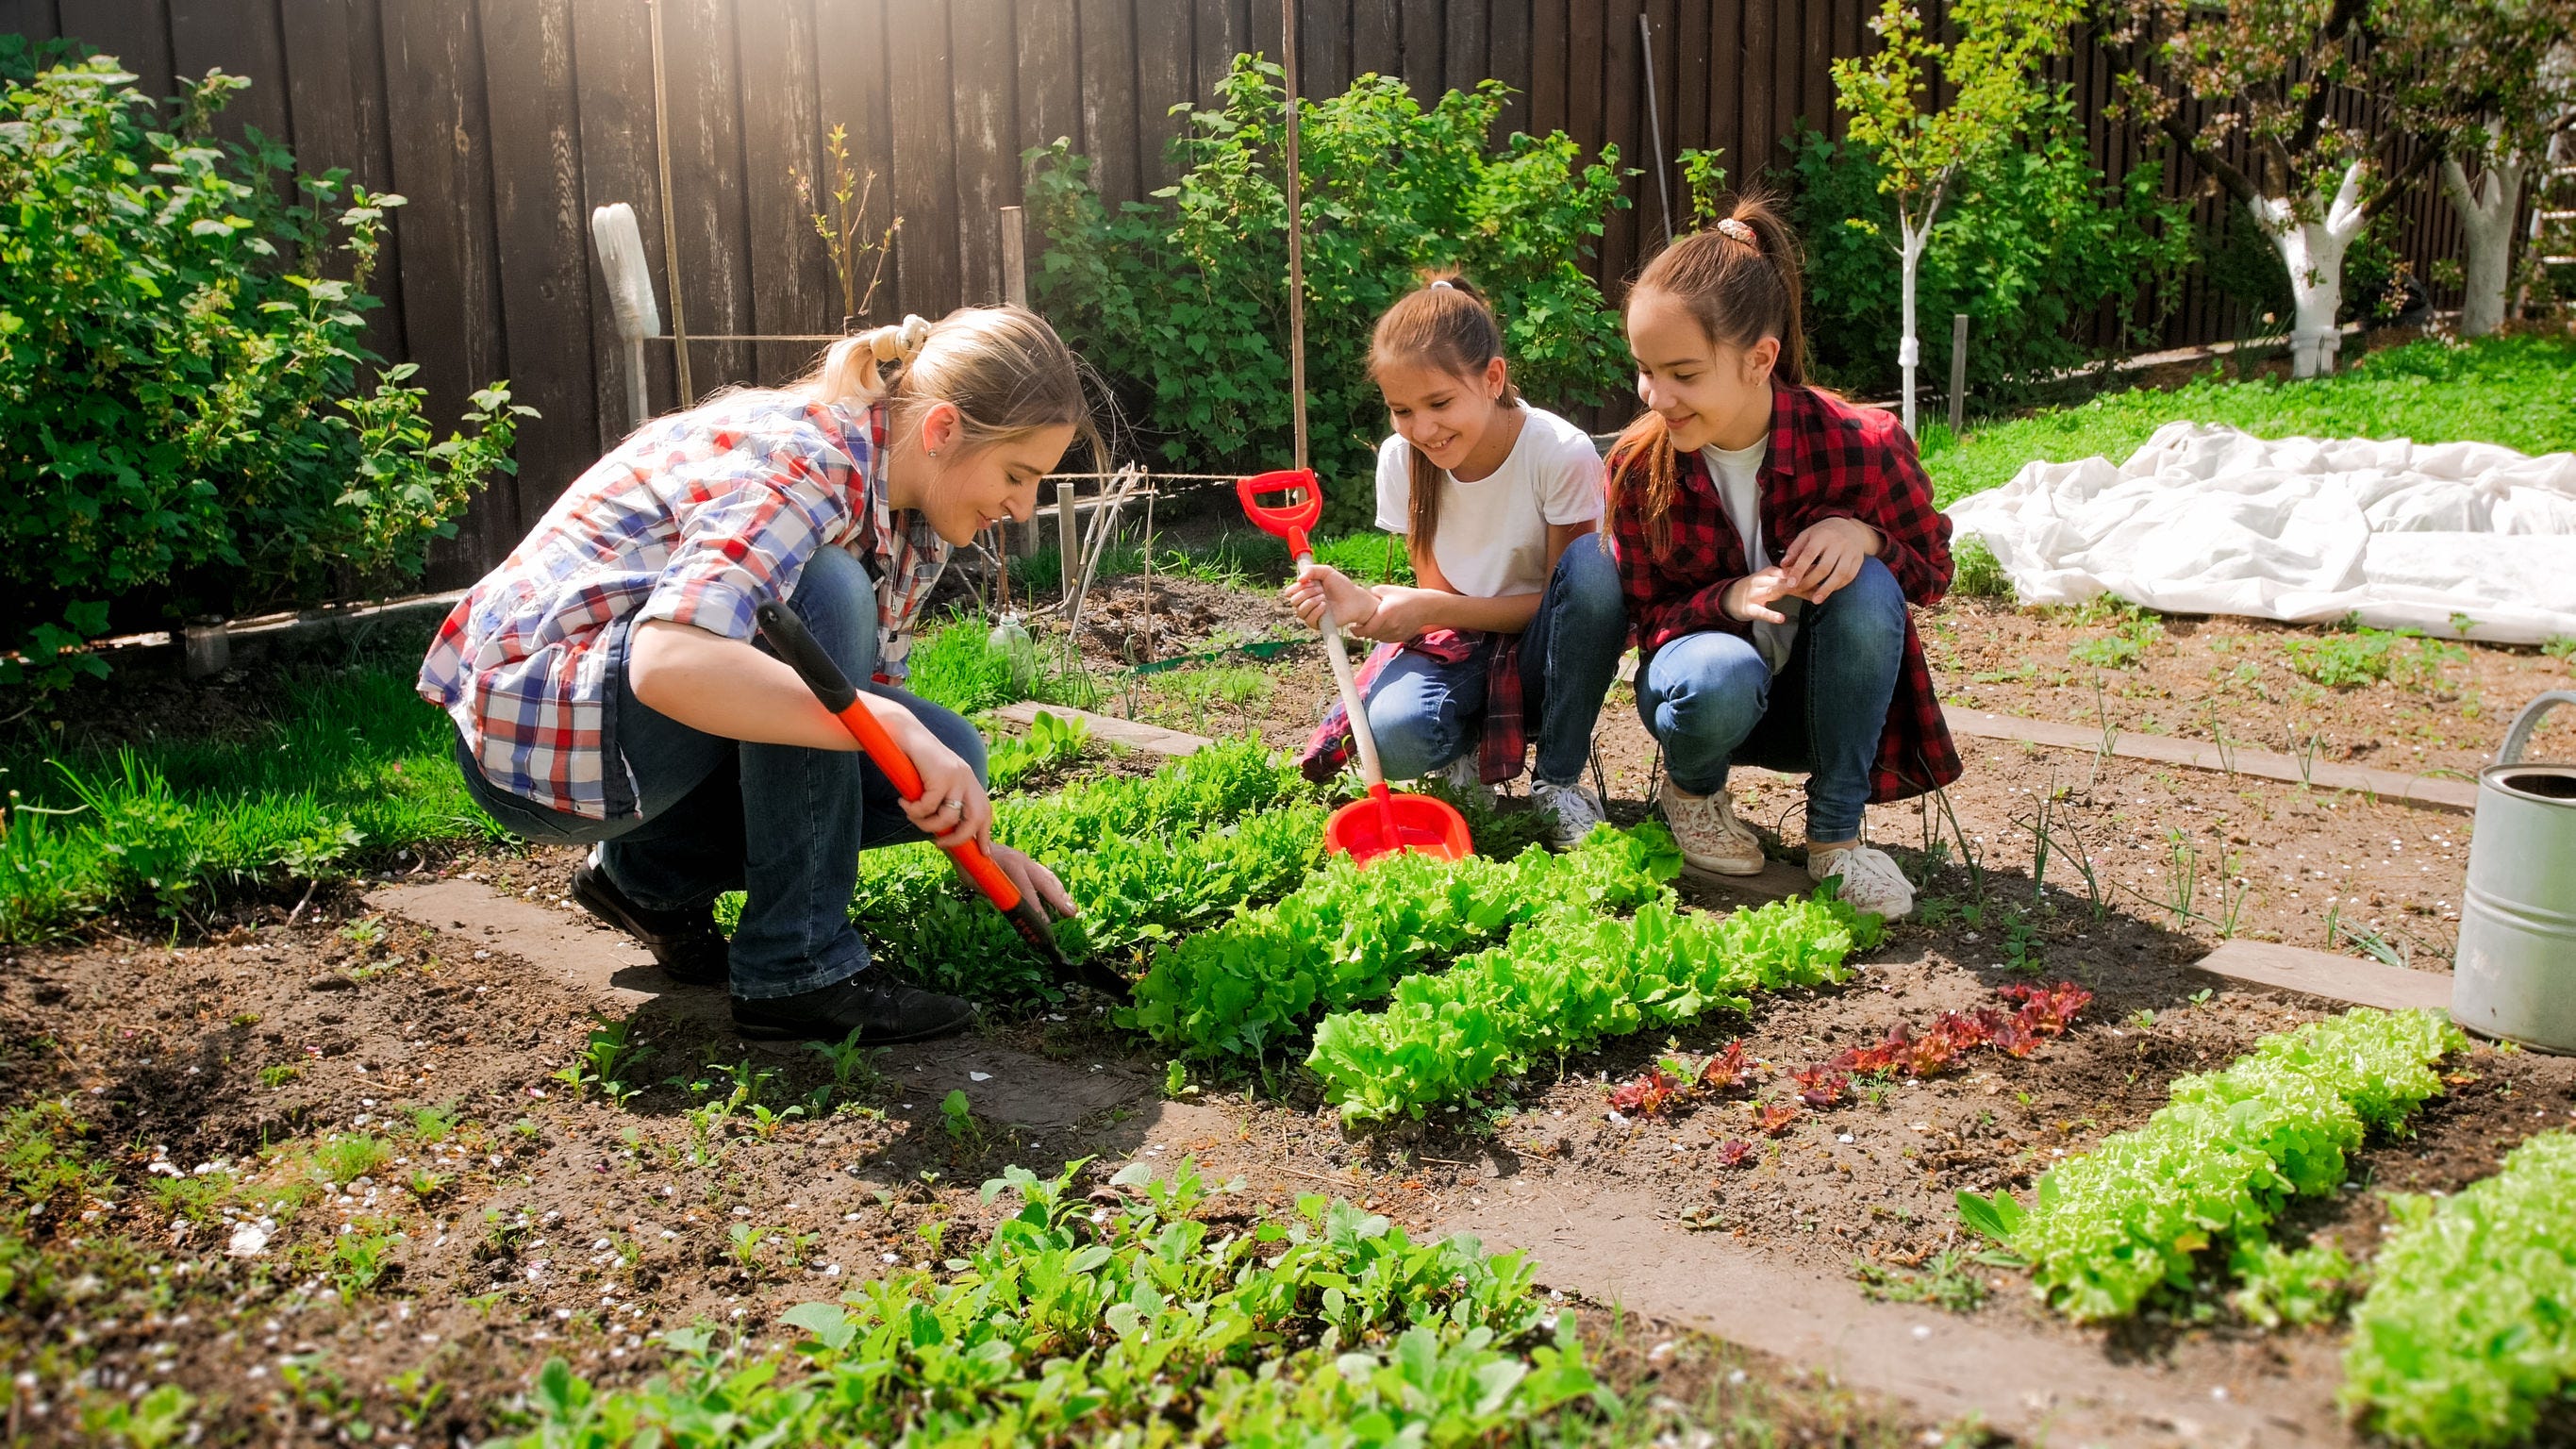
{"x":1418,"y":38}
{"x":1664,"y":60}
{"x":793,"y":289}
{"x":1326,"y":65}
{"x":1109,"y":123}
{"x":703,"y":80}
{"x":1758,"y":147}
{"x":1163,"y":66}
{"x":1816,"y":79}
{"x":1548,"y":61}
{"x":136,"y":32}
{"x":1726,"y":90}
{"x":1466,"y":46}
{"x":544,"y":243}
{"x":442,"y":154}
{"x":242,"y":39}
{"x":1377,"y":38}
{"x":34,"y":19}
{"x":1050,"y":78}
{"x":613,"y":96}
{"x":1508,"y":59}
{"x":984,"y":52}
{"x":335,"y":95}
{"x":925,"y":158}
{"x":1623,"y":123}
{"x":1686,"y":106}
{"x":1220,"y":30}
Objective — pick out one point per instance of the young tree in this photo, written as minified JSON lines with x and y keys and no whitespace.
{"x":1992,"y":71}
{"x":2488,"y":82}
{"x":2267,"y":74}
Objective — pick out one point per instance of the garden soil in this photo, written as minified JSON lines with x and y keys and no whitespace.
{"x":569,"y":1225}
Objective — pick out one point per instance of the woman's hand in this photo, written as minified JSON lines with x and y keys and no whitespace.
{"x":1749,"y":597}
{"x":953,"y":807}
{"x":1322,"y":586}
{"x":1036,"y":880}
{"x":1827,"y":556}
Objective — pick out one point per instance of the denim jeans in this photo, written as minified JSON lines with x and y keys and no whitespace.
{"x":781,"y":823}
{"x":1711,"y":702}
{"x":1426,"y":713}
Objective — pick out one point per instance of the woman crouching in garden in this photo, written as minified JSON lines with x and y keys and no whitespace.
{"x":1517,"y":611}
{"x":1769,"y":537}
{"x":607,"y":687}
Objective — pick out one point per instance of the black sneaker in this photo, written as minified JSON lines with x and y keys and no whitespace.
{"x":880,"y":1012}
{"x":685,"y":943}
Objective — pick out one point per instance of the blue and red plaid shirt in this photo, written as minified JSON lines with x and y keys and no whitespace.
{"x":697,"y":518}
{"x":1827,"y":459}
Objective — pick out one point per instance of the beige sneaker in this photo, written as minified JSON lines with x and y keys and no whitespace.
{"x":1871,"y":881}
{"x":1709,"y":834}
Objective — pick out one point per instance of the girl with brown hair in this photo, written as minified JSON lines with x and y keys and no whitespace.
{"x":1515,"y":613}
{"x":1769,"y":538}
{"x":607,"y":688}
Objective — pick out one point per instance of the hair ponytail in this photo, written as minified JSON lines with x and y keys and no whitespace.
{"x":1445,"y":323}
{"x":1741,"y":279}
{"x":1002,"y":368}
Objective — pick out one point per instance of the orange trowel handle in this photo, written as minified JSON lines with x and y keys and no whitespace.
{"x":786,"y":634}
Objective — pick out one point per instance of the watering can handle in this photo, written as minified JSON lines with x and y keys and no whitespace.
{"x":2518,"y":738}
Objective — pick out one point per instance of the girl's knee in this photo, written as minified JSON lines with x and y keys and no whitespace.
{"x":1872,"y":598}
{"x":1701,"y":671}
{"x":1412,"y":743}
{"x":1590,"y":582}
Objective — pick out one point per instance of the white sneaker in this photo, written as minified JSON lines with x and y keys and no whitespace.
{"x":1709,"y":834}
{"x":1465,"y":776}
{"x":1871,"y":881}
{"x":1572,"y":809}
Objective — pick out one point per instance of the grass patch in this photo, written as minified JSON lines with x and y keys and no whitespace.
{"x":2516,"y":391}
{"x":1234,"y":560}
{"x":356,"y":766}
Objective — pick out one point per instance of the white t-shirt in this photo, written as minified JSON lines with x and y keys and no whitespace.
{"x":1492,"y":538}
{"x":1738,"y":472}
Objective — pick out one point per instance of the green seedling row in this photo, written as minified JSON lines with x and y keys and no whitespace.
{"x":1348,"y":935}
{"x":2468,"y":1333}
{"x":1569,"y":980}
{"x":2216,"y":1163}
{"x":1136,"y":1326}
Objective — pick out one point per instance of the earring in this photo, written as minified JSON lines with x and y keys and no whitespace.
{"x":934,"y":452}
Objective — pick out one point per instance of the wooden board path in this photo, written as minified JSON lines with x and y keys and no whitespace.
{"x":2418,"y":790}
{"x":1130,"y":732}
{"x":2323,"y":974}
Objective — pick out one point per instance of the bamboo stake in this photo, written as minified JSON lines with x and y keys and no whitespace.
{"x":670,"y":227}
{"x":1296,"y":239}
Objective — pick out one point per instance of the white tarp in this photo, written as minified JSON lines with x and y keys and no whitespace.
{"x":2208,"y":520}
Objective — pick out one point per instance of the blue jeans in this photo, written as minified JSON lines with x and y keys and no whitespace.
{"x":1425,"y":713}
{"x":781,"y":823}
{"x":1711,"y":702}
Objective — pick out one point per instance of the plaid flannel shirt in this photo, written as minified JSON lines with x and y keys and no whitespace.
{"x":1827,"y":459}
{"x":1502,"y":741}
{"x":696,"y":518}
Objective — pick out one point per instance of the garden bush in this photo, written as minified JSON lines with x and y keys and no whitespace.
{"x":188,"y":420}
{"x":2035,"y":243}
{"x":1183,"y":302}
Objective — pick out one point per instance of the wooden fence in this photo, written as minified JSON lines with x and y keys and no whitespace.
{"x":506,"y":121}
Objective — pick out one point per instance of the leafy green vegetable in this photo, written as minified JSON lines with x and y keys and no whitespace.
{"x":2220,"y":1158}
{"x":1567,"y":980}
{"x":1053,"y":741}
{"x":1347,"y":935}
{"x":2280,"y":1287}
{"x":2469,"y":1330}
{"x":1071,"y":1326}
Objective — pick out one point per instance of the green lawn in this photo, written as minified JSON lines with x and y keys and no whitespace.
{"x":2517,"y":391}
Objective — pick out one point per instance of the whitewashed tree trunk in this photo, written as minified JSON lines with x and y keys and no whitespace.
{"x":2486,"y":230}
{"x":2313,"y":253}
{"x":1908,"y":351}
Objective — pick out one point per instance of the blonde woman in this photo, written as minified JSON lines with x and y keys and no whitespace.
{"x":608,"y":689}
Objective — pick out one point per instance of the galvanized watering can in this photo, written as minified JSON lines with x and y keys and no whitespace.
{"x":2515,"y":975}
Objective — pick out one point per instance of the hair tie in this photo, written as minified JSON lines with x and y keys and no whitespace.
{"x":1442,"y":282}
{"x":1735,"y":230}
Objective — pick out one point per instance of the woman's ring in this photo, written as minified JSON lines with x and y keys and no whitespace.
{"x":956,"y":804}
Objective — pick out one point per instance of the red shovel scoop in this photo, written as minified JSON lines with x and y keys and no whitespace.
{"x":1385,"y":822}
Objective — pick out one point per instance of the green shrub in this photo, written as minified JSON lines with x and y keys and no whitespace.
{"x":188,"y":422}
{"x":2034,"y":244}
{"x":1182,"y":303}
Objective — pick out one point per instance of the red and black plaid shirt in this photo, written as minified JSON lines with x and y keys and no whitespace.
{"x":1827,"y":459}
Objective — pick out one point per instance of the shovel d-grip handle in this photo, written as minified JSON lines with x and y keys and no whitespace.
{"x":786,"y":634}
{"x":1288,"y":520}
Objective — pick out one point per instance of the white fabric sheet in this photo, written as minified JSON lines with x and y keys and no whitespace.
{"x":2204,"y":519}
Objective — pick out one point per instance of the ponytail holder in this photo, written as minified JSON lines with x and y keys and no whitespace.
{"x":1735,"y":230}
{"x":897,"y":344}
{"x":1442,"y":282}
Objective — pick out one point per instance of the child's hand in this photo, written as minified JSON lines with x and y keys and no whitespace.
{"x":1827,"y":556}
{"x":1322,"y":586}
{"x":1749,"y":597}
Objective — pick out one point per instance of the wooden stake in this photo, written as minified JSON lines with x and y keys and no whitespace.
{"x":1296,"y":236}
{"x":1015,"y":256}
{"x":1958,"y":371}
{"x":670,"y":227}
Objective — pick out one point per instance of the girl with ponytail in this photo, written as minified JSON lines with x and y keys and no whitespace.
{"x":1769,"y":537}
{"x":607,"y":688}
{"x":1516,"y":615}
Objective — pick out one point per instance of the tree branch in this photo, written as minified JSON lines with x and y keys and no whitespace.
{"x":2397,"y":184}
{"x":2238,"y":184}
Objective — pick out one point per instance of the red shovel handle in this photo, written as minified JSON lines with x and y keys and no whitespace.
{"x":1288,"y":520}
